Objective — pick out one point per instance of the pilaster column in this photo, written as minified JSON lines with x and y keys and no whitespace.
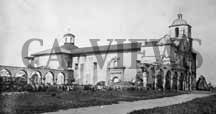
{"x":164,"y":80}
{"x":178,"y":81}
{"x":184,"y":85}
{"x":122,"y":77}
{"x":185,"y":82}
{"x":171,"y":80}
{"x":155,"y":81}
{"x":144,"y":79}
{"x":108,"y":77}
{"x":190,"y":82}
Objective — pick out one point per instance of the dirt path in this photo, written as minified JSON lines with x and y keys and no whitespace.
{"x":125,"y":107}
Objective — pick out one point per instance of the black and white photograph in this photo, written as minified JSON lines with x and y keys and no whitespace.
{"x":107,"y":57}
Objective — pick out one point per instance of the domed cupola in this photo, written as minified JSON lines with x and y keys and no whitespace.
{"x":179,"y":21}
{"x":69,"y":43}
{"x":180,"y":28}
{"x":69,"y":38}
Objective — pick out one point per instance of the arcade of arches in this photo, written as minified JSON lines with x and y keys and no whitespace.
{"x":35,"y":76}
{"x":167,"y":78}
{"x":163,"y":77}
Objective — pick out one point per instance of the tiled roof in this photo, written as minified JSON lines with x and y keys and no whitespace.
{"x":90,"y":50}
{"x":107,"y":48}
{"x":56,"y":50}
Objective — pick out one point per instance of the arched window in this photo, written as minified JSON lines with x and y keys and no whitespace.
{"x":5,"y":75}
{"x":60,"y":78}
{"x":160,"y":77}
{"x":115,"y":79}
{"x":175,"y":81}
{"x":21,"y":77}
{"x":49,"y":78}
{"x":35,"y":78}
{"x":168,"y":80}
{"x":177,"y":32}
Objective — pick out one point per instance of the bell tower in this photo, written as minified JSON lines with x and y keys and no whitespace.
{"x":69,"y":38}
{"x":69,"y":41}
{"x":180,"y":28}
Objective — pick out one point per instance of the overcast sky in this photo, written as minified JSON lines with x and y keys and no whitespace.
{"x":21,"y":20}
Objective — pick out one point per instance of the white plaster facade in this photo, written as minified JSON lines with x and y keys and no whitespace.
{"x":159,"y":61}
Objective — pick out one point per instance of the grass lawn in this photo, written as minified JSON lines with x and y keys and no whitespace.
{"x":206,"y":105}
{"x":38,"y":102}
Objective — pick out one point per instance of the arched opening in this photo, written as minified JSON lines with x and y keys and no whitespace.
{"x":151,"y":78}
{"x":5,"y":80}
{"x":193,"y":81}
{"x":113,"y":63}
{"x":160,"y":79}
{"x":21,"y":77}
{"x":5,"y":75}
{"x":187,"y":81}
{"x":190,"y":81}
{"x":115,"y":79}
{"x":113,"y":70}
{"x":36,"y":78}
{"x":176,"y":32}
{"x":145,"y":74}
{"x":175,"y":81}
{"x":181,"y":82}
{"x":139,"y":78}
{"x":49,"y":78}
{"x":60,"y":79}
{"x":168,"y":80}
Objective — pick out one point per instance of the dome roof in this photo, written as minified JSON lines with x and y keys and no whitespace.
{"x":69,"y":35}
{"x":179,"y":21}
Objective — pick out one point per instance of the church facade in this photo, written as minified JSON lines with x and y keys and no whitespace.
{"x":165,"y":63}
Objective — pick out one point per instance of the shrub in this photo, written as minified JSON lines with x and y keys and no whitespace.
{"x":87,"y":87}
{"x":131,"y":89}
{"x":53,"y":94}
{"x":52,"y":89}
{"x":28,"y":87}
